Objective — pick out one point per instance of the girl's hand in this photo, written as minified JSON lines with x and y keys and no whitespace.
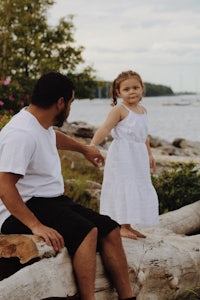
{"x":93,"y":154}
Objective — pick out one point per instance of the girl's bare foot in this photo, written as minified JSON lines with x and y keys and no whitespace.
{"x":131,"y":233}
{"x":137,"y":233}
{"x":124,"y":232}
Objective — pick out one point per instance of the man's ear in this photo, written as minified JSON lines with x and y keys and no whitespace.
{"x":60,"y":103}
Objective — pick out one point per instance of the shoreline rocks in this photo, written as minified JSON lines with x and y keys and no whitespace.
{"x":164,"y":151}
{"x":179,"y":147}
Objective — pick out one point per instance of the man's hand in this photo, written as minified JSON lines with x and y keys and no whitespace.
{"x":51,"y":236}
{"x":15,"y":205}
{"x":93,"y":154}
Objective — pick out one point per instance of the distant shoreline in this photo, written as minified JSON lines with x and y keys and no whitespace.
{"x":167,"y":122}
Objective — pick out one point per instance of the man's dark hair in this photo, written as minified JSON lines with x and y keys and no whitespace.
{"x":50,"y":87}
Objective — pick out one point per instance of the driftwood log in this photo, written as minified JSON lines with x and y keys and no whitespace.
{"x":164,"y":266}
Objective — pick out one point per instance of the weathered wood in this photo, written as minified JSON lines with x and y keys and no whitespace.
{"x":25,"y":247}
{"x":164,"y":266}
{"x":18,"y":251}
{"x":185,"y":220}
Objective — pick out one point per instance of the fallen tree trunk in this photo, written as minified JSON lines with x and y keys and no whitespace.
{"x":25,"y":247}
{"x":164,"y":266}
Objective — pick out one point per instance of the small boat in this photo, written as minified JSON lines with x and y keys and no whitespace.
{"x":183,"y":103}
{"x":167,"y":104}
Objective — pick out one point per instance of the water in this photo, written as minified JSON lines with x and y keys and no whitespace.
{"x":169,"y":117}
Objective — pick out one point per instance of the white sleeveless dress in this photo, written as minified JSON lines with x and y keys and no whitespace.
{"x":128,"y":195}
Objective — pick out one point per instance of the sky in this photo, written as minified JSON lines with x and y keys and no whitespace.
{"x":159,"y":39}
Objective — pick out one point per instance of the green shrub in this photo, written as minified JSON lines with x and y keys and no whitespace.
{"x":13,"y":95}
{"x":4,"y":120}
{"x":76,"y":172}
{"x":77,"y":190}
{"x":178,"y":186}
{"x":83,"y":169}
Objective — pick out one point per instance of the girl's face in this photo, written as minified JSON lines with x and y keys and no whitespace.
{"x":130,"y":90}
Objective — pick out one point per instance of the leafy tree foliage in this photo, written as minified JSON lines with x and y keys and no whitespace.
{"x":30,"y":47}
{"x":85,"y":84}
{"x":157,"y":90}
{"x":102,"y":89}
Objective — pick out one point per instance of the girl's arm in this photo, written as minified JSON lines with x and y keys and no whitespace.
{"x":65,"y":142}
{"x":151,"y":158}
{"x":111,"y":121}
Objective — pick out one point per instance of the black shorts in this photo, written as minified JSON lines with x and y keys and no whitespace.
{"x":71,"y":220}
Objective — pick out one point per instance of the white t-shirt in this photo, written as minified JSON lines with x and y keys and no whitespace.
{"x":28,"y":149}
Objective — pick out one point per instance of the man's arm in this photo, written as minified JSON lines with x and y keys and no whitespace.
{"x":65,"y":142}
{"x":15,"y":205}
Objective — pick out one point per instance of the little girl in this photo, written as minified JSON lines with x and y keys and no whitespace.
{"x":128,"y":195}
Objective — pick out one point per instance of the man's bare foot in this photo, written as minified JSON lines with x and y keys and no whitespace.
{"x":124,"y":232}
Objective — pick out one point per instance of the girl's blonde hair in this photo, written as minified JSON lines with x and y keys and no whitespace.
{"x":119,"y":79}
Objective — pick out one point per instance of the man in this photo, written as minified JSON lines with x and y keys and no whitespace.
{"x":31,"y":188}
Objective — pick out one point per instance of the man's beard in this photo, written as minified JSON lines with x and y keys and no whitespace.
{"x":60,"y":118}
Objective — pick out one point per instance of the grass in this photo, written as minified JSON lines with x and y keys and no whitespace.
{"x":75,"y":166}
{"x":78,"y":174}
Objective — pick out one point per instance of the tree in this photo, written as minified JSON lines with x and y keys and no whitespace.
{"x":85,"y":83}
{"x":31,"y":47}
{"x":23,"y":30}
{"x":102,"y":89}
{"x":157,"y":90}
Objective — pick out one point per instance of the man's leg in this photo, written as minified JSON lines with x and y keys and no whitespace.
{"x":115,"y":263}
{"x":84,"y":263}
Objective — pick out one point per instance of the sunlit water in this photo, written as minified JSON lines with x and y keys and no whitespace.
{"x":169,"y":117}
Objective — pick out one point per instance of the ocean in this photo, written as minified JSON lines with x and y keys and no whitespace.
{"x":169,"y":117}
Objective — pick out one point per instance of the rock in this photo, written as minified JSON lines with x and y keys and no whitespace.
{"x":155,"y":141}
{"x":180,"y":143}
{"x":179,"y":147}
{"x":78,"y":129}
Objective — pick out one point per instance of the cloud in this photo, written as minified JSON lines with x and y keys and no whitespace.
{"x":160,"y":39}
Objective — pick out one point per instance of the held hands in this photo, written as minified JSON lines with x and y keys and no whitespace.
{"x":51,"y":236}
{"x":93,"y":154}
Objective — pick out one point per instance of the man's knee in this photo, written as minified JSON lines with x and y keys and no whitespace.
{"x":115,"y":232}
{"x":93,"y":233}
{"x":91,"y":237}
{"x":114,"y":235}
